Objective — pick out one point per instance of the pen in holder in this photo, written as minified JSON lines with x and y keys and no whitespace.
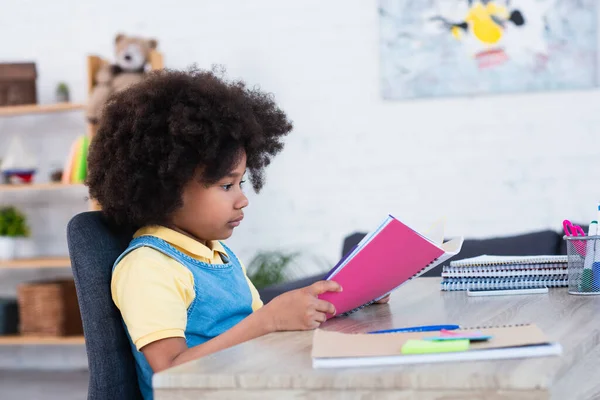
{"x":583,"y":253}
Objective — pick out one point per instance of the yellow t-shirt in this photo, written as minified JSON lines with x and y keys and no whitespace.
{"x":153,"y":291}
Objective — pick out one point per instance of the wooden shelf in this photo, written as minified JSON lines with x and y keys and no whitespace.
{"x":39,"y":109}
{"x":37,"y":186}
{"x":42,"y":262}
{"x":14,"y":340}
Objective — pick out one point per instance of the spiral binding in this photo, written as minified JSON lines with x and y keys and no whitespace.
{"x":455,"y":284}
{"x":524,"y":274}
{"x":494,"y":326}
{"x":422,"y":270}
{"x":508,"y":268}
{"x":373,"y":301}
{"x":531,"y":260}
{"x":357,"y":309}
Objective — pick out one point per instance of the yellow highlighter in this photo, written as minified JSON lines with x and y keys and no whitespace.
{"x":429,"y":346}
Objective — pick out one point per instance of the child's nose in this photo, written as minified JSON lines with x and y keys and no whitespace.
{"x":242,"y":202}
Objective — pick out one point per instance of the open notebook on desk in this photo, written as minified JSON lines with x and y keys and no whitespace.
{"x":384,"y":260}
{"x":335,"y":349}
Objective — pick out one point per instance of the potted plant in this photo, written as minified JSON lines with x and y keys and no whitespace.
{"x":13,"y":227}
{"x":62,"y":93}
{"x":269,"y":268}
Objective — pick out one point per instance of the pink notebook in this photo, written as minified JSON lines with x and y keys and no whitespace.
{"x":383,"y":261}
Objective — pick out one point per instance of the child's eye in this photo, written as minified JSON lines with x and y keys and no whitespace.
{"x":230,"y":185}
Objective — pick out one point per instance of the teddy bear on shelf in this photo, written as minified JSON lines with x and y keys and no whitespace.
{"x":132,"y":57}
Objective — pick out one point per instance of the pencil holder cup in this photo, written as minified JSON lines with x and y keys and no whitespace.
{"x":583,"y":253}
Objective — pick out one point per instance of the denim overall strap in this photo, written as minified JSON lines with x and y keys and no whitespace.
{"x":222,"y":299}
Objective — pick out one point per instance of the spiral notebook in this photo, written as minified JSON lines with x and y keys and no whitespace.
{"x":384,"y":260}
{"x":505,"y":272}
{"x":502,"y":261}
{"x":502,"y":273}
{"x":335,"y":349}
{"x":454,"y":284}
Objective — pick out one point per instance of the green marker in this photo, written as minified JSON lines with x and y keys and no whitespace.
{"x":413,"y":346}
{"x":587,"y":276}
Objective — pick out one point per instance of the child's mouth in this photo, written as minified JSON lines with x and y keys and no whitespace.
{"x":235,"y":222}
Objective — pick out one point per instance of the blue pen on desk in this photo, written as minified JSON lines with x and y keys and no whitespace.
{"x":425,"y":328}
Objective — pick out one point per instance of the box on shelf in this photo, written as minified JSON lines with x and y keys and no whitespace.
{"x":9,"y":316}
{"x":18,"y":84}
{"x":49,"y":308}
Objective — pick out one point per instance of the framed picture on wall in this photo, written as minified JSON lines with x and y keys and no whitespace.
{"x":439,"y":48}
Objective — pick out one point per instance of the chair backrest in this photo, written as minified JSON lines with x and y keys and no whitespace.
{"x":93,"y":247}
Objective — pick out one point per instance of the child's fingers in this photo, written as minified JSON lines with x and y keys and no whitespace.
{"x":325,"y":307}
{"x":320,"y":317}
{"x":321,"y":287}
{"x":385,"y":300}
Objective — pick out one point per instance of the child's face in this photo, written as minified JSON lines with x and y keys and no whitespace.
{"x":212,"y":212}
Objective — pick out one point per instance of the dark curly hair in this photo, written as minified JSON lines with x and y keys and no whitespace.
{"x":156,"y":135}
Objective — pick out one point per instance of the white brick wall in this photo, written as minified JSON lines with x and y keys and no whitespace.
{"x":493,"y":165}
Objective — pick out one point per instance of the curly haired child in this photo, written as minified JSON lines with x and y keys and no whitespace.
{"x":169,"y":160}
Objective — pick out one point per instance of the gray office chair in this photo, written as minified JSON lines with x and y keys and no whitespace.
{"x":93,"y":247}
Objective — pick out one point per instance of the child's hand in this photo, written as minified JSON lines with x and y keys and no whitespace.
{"x":385,"y":300}
{"x":301,"y":309}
